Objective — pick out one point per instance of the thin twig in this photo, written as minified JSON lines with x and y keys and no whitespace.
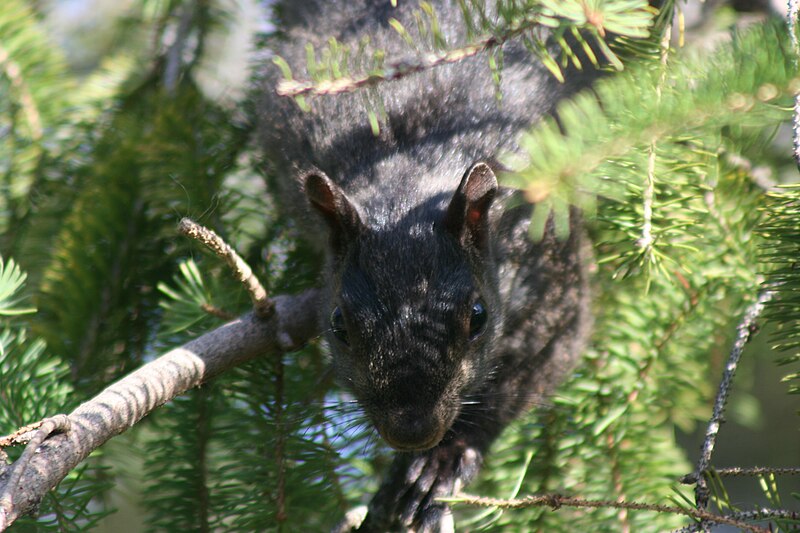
{"x":759,"y":514}
{"x":792,"y":17}
{"x":555,"y":501}
{"x":753,"y":471}
{"x":263,"y":307}
{"x":743,"y":332}
{"x":646,"y":240}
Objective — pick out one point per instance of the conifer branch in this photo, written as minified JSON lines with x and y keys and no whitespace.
{"x":262,"y":305}
{"x":597,"y":21}
{"x":634,"y":110}
{"x":121,"y":405}
{"x":395,"y":70}
{"x":780,"y":231}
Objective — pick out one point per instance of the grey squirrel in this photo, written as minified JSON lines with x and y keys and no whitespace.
{"x":445,"y":320}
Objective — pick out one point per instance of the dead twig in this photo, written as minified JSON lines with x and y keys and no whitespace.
{"x":263,"y":307}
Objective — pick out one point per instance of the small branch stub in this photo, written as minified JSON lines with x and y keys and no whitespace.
{"x":263,"y":307}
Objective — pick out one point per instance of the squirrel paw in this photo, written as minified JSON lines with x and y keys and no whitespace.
{"x":352,"y":520}
{"x":408,"y":496}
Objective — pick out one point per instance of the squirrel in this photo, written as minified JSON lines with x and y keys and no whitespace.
{"x":444,"y":318}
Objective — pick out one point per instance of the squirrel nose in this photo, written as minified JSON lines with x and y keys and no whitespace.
{"x":413,"y":432}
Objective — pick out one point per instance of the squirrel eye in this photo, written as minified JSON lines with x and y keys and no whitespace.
{"x":478,"y":320}
{"x":338,"y":327}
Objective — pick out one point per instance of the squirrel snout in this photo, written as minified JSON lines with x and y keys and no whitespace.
{"x":412,"y":432}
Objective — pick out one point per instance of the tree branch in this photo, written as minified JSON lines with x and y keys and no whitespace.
{"x":121,"y":405}
{"x":744,"y":331}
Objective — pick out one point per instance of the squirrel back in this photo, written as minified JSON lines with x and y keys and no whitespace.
{"x":438,"y":121}
{"x":444,"y":319}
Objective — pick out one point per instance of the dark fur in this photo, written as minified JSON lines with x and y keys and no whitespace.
{"x":414,"y":238}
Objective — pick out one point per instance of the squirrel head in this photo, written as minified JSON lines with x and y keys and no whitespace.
{"x":414,"y":308}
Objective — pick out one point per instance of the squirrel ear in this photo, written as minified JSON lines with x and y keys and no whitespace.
{"x":334,"y":206}
{"x":468,"y":213}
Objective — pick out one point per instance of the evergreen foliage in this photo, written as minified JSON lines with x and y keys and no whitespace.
{"x":667,"y":158}
{"x":781,"y":232}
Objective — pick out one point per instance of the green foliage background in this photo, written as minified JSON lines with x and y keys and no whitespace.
{"x":97,"y":165}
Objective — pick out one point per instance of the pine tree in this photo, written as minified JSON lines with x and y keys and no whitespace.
{"x":673,"y":159}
